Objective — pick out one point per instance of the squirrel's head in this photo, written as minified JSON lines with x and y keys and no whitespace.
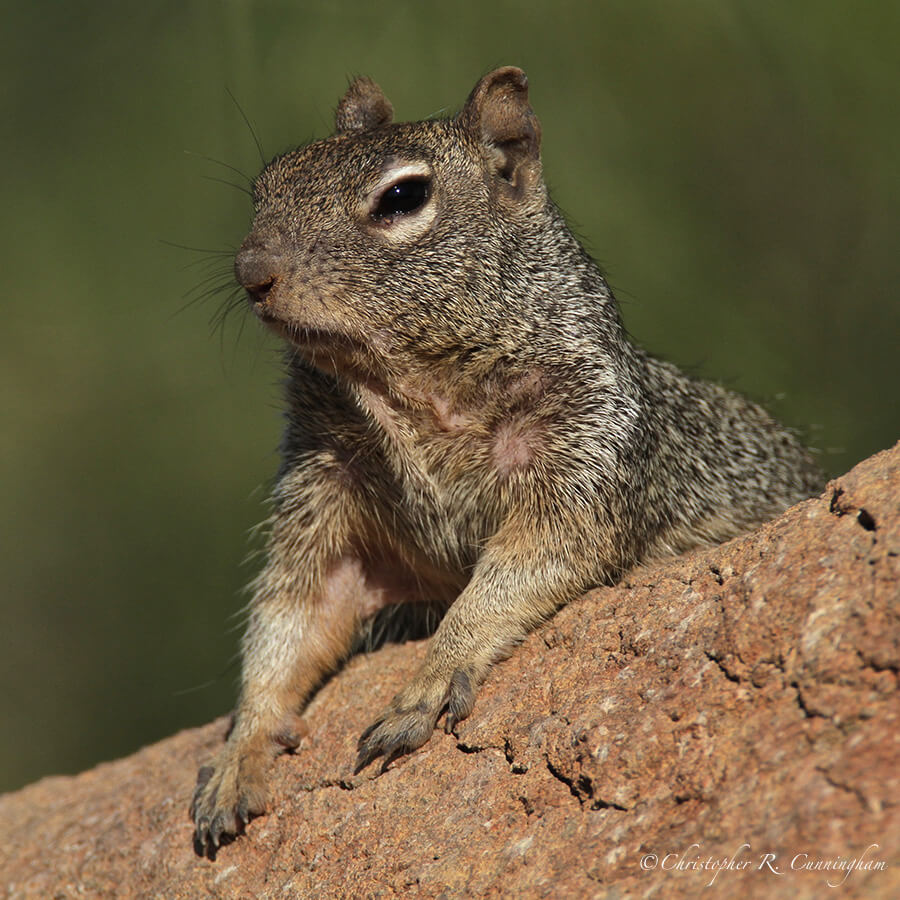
{"x":392,"y":238}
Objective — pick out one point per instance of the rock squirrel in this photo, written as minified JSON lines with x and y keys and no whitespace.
{"x":468,"y":425}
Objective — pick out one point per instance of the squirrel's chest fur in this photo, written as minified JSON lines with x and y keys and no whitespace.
{"x":442,"y":464}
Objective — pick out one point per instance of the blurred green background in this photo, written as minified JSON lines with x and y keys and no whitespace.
{"x":733,"y":166}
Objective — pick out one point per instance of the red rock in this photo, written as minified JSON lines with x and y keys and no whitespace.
{"x":738,"y":703}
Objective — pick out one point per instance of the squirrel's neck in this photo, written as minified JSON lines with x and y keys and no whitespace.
{"x":544,"y":305}
{"x":553,"y":287}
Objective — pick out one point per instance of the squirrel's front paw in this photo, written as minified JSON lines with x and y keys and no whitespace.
{"x":410,"y":719}
{"x":396,"y":732}
{"x":228,"y":793}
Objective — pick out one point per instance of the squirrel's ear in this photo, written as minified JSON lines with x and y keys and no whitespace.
{"x":497,"y":113}
{"x":362,"y":108}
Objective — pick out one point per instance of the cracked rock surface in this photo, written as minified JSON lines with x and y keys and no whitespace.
{"x":730,"y":704}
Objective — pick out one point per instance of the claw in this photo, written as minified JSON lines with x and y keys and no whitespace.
{"x":390,"y":751}
{"x":366,"y":755}
{"x":460,"y":700}
{"x":396,"y":753}
{"x":202,"y":833}
{"x":367,"y":734}
{"x":216,"y":829}
{"x":203,"y":776}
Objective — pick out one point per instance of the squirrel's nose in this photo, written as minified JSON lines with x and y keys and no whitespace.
{"x":257,"y":267}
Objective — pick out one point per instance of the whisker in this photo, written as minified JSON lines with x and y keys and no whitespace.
{"x":201,"y":293}
{"x":237,"y":187}
{"x":219,"y":162}
{"x":228,"y":252}
{"x":259,"y":148}
{"x":219,"y":275}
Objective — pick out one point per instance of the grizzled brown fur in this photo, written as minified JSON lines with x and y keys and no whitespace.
{"x":468,"y":425}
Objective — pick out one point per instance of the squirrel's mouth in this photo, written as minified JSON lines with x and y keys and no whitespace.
{"x":265,"y":305}
{"x":302,"y":337}
{"x":331,"y":351}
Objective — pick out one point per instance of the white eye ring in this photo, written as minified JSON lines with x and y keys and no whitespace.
{"x":402,"y":224}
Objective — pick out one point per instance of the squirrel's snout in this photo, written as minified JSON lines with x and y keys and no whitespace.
{"x":257,"y":268}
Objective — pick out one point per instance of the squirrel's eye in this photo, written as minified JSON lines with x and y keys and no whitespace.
{"x":401,"y":198}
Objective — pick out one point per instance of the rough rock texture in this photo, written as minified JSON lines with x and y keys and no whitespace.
{"x":729,"y":704}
